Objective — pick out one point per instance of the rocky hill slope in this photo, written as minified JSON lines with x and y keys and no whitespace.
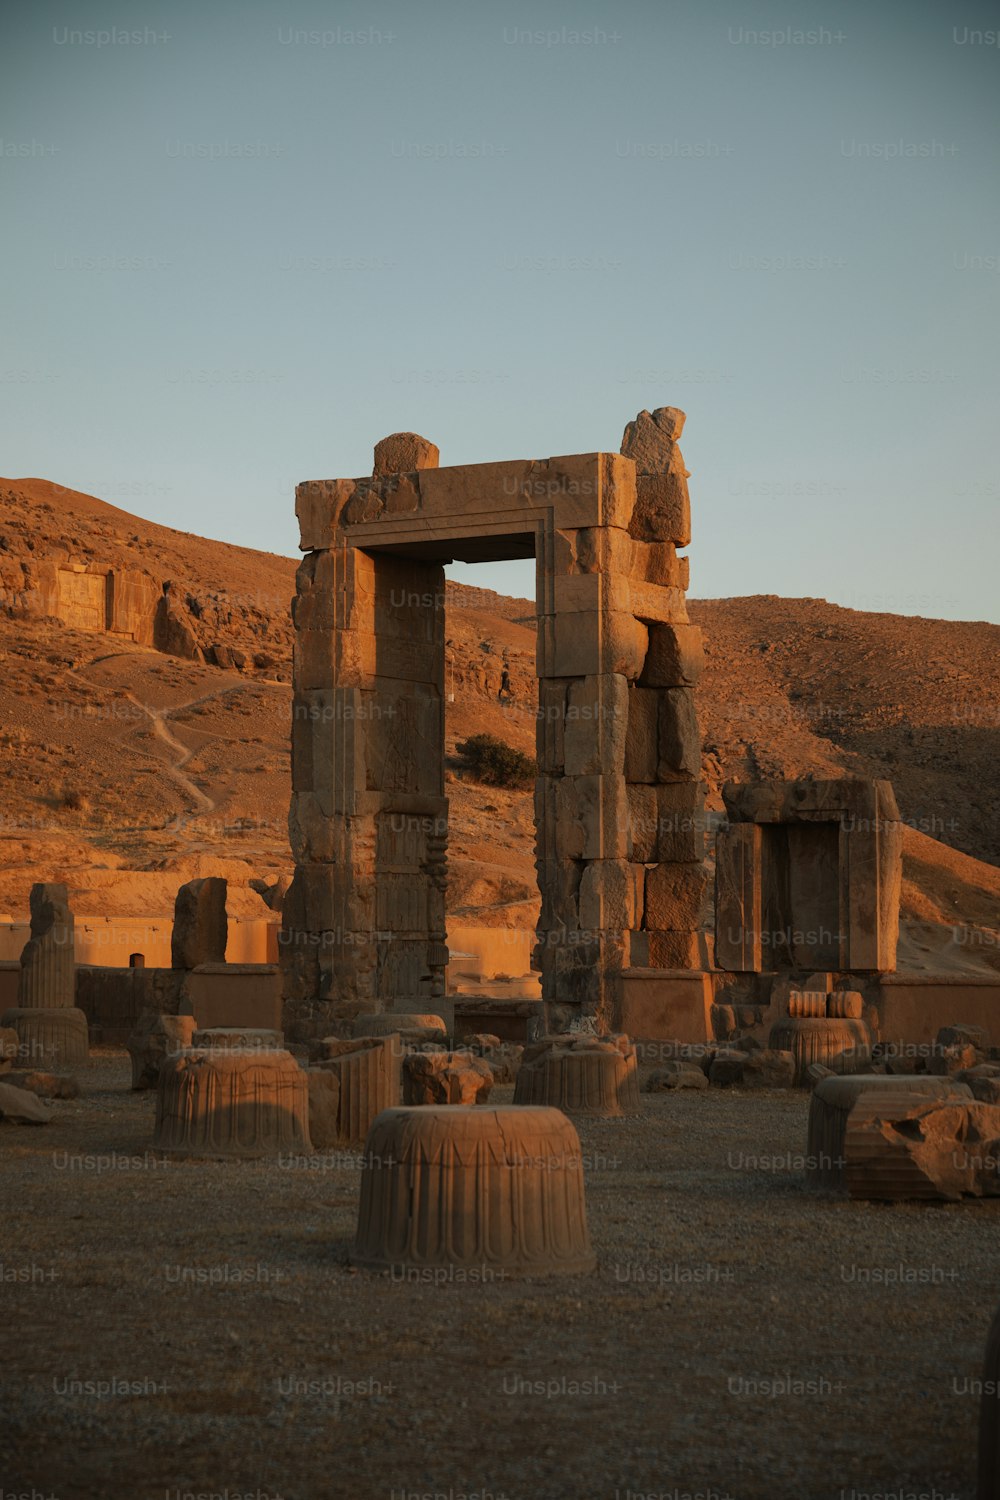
{"x":119,"y":753}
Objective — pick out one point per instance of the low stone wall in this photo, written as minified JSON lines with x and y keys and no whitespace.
{"x":216,"y":994}
{"x":107,"y":942}
{"x":913,"y":1007}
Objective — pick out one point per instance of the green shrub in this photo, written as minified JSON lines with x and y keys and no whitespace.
{"x":495,"y":763}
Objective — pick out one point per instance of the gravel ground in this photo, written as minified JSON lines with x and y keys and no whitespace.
{"x":741,"y":1336}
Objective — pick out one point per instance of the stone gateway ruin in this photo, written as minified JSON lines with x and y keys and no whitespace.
{"x":618,"y":802}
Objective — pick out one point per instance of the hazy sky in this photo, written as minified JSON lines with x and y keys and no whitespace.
{"x":243,"y":241}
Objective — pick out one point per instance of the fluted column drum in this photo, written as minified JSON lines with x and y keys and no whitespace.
{"x":498,"y":1191}
{"x":837,"y":1042}
{"x":586,"y":1077}
{"x":219,"y":1100}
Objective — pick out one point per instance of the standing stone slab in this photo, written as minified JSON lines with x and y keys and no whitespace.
{"x":200,"y":924}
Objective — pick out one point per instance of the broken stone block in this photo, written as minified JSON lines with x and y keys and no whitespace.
{"x":963,"y":1035}
{"x":831,"y":1103}
{"x":840,"y":1044}
{"x":154,"y":1038}
{"x":766,"y":1068}
{"x":649,"y":440}
{"x":48,"y":967}
{"x":726,"y":1067}
{"x":200,"y":924}
{"x":946,"y":1061}
{"x":402,"y":452}
{"x":582,"y":1075}
{"x":9,"y":1045}
{"x":679,"y":739}
{"x":498,"y":1190}
{"x":411,"y":1026}
{"x":370,"y":1076}
{"x":232,"y":1101}
{"x":723,"y":1018}
{"x":21,"y":1107}
{"x":675,"y":657}
{"x":983,"y":1079}
{"x":324,"y":1108}
{"x":503,"y":1058}
{"x":45,"y":1085}
{"x":676,"y":1075}
{"x":674,"y":896}
{"x":49,"y":1039}
{"x":662,"y":510}
{"x":446,"y":1078}
{"x":901,"y":1145}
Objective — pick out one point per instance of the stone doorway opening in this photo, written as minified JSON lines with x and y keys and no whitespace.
{"x":617,"y":795}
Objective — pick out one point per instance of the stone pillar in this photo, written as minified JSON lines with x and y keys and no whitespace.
{"x":200,"y":924}
{"x":364,"y":919}
{"x":48,"y":966}
{"x":619,"y":804}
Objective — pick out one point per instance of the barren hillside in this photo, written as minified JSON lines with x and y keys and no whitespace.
{"x":118,"y":755}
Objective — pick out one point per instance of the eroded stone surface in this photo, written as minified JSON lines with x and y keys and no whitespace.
{"x":899,"y":1144}
{"x":831,"y":1103}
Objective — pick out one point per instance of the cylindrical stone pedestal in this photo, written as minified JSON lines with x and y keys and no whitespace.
{"x":823,"y":1040}
{"x":230,"y":1101}
{"x":581,"y":1077}
{"x":495,"y":1190}
{"x":832,"y":1102}
{"x":49,"y":1038}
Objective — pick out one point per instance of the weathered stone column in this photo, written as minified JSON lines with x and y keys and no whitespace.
{"x":364,"y":920}
{"x":48,"y":965}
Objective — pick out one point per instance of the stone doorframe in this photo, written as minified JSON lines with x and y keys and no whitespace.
{"x":618,"y":804}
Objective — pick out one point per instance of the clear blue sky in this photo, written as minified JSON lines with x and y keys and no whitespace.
{"x":244,"y":246}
